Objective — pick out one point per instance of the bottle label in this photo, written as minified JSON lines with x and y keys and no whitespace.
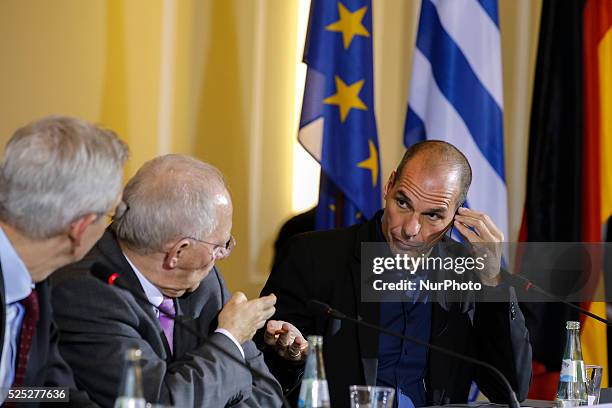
{"x":314,"y":394}
{"x":572,"y":371}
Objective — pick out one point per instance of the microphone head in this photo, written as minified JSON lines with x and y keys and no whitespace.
{"x":104,"y":273}
{"x":317,"y":308}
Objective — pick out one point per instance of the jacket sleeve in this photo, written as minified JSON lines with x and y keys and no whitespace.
{"x":266,"y":391}
{"x":98,"y":323}
{"x":502,"y":340}
{"x":291,"y":280}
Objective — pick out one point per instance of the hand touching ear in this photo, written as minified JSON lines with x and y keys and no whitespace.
{"x":479,"y":230}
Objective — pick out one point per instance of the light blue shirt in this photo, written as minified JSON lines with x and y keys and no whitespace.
{"x":17,"y":286}
{"x":156,"y":298}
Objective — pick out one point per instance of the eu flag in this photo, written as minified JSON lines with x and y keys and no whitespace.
{"x":337,"y":126}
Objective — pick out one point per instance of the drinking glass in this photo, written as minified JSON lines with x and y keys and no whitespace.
{"x":593,"y":383}
{"x":363,"y":396}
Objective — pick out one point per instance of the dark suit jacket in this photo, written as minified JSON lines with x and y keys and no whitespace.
{"x":98,"y":323}
{"x":46,"y":367}
{"x":326,"y":266}
{"x":298,"y":224}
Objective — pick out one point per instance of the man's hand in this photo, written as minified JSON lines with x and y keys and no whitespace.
{"x":287,"y":340}
{"x":478,"y":229}
{"x":242,"y":317}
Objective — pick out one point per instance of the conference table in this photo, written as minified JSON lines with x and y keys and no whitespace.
{"x":485,"y":404}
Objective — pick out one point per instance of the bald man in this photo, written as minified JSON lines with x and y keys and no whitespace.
{"x":423,"y":200}
{"x":165,"y":245}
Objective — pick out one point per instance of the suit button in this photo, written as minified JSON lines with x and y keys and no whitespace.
{"x":512,"y":311}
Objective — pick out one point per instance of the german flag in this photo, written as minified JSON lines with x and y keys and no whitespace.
{"x":597,"y":155}
{"x":569,"y":175}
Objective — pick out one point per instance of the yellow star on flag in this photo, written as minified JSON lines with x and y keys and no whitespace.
{"x":371,"y":163}
{"x":349,"y":24}
{"x":346,"y":97}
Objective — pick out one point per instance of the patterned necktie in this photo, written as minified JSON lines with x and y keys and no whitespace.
{"x":166,"y":319}
{"x":28,"y":327}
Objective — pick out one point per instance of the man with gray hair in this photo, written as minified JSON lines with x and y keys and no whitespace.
{"x":177,"y":225}
{"x":59,"y":178}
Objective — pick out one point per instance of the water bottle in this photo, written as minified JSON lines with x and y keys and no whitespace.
{"x":572,"y":381}
{"x":314,"y":392}
{"x":131,"y":394}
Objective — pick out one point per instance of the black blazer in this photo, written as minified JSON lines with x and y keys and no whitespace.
{"x":98,"y":323}
{"x":46,"y":367}
{"x":325,"y":265}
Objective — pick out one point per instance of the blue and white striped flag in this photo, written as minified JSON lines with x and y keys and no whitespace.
{"x":456,"y":94}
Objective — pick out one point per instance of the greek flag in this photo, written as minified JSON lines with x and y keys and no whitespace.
{"x":456,"y":94}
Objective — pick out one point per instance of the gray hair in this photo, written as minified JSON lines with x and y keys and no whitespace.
{"x":170,"y":197}
{"x":56,"y":170}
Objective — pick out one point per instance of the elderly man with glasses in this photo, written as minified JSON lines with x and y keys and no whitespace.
{"x":173,"y":225}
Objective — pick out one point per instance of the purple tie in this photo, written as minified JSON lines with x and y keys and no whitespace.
{"x":166,"y":315}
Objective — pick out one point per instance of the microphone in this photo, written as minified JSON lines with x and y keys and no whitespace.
{"x":322,"y":309}
{"x":107,"y":275}
{"x":318,"y":308}
{"x":527,"y":285}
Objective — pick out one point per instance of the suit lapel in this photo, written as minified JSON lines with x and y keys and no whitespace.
{"x":183,"y":340}
{"x":110,"y":249}
{"x":367,"y":311}
{"x":198,"y":311}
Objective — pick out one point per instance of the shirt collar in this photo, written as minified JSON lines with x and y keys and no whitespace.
{"x":17,"y":280}
{"x":151,"y":291}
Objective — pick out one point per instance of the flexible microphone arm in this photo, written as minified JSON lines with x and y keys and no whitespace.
{"x":324,"y":309}
{"x":108,"y":276}
{"x":529,"y":285}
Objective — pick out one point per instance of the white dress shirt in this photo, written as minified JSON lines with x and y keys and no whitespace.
{"x":156,"y":297}
{"x":17,"y":286}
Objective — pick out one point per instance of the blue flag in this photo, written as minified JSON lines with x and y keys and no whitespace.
{"x":337,"y":126}
{"x":456,"y":94}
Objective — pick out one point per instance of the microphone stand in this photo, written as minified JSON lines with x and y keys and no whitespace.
{"x":327,"y":310}
{"x":529,"y":285}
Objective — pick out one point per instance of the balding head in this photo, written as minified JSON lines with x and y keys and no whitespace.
{"x":439,"y":156}
{"x":172,"y":197}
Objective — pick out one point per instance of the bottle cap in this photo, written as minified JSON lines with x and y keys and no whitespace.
{"x":133,"y":354}
{"x":315,"y":340}
{"x":573,"y":325}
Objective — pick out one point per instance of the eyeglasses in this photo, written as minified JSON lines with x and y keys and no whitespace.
{"x":219,"y":251}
